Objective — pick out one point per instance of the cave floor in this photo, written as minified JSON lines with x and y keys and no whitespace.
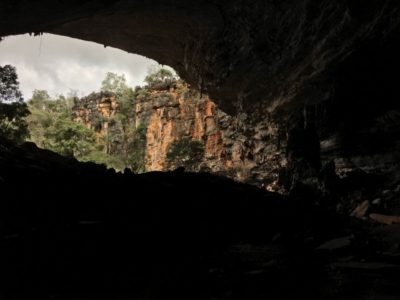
{"x":79,"y":231}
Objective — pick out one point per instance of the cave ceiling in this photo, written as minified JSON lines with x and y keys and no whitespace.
{"x":256,"y":55}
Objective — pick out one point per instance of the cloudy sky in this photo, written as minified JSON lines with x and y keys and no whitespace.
{"x":58,"y":64}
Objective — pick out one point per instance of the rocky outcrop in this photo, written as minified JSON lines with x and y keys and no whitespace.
{"x":280,"y":153}
{"x":175,"y":112}
{"x":99,"y":112}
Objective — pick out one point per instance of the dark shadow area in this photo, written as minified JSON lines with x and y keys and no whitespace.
{"x":73,"y":230}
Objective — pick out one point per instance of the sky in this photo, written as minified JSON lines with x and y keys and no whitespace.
{"x":57,"y":64}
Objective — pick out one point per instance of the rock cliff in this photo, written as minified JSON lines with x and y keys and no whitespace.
{"x":99,"y":111}
{"x":258,"y":151}
{"x":276,"y":152}
{"x":175,"y":111}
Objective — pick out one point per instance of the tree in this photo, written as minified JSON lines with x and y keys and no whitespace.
{"x":12,"y":123}
{"x":114,"y":83}
{"x":135,"y":148}
{"x":184,"y":153}
{"x":149,"y":79}
{"x":9,"y":85}
{"x":155,"y":73}
{"x":108,"y":139}
{"x":125,"y":95}
{"x":39,"y":99}
{"x":13,"y":110}
{"x":66,"y":136}
{"x":164,"y":73}
{"x":126,"y":106}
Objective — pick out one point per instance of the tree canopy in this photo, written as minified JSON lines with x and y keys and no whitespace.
{"x":13,"y":110}
{"x":185,"y":153}
{"x":9,"y":85}
{"x":156,"y":73}
{"x":114,"y":83}
{"x":52,"y":127}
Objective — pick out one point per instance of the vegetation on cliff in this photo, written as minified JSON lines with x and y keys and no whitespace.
{"x":102,"y":127}
{"x":186,"y":153}
{"x":52,"y":127}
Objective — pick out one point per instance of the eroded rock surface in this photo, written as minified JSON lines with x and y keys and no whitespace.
{"x":249,"y":58}
{"x":99,"y":112}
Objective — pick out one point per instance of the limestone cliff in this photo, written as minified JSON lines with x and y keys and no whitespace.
{"x":248,"y":152}
{"x":277,"y":152}
{"x":99,"y":111}
{"x":174,"y":111}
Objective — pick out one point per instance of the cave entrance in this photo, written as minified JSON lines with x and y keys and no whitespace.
{"x":82,"y":97}
{"x":58,"y":64}
{"x":104,"y":105}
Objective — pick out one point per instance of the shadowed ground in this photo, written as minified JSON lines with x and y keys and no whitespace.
{"x":77,"y":231}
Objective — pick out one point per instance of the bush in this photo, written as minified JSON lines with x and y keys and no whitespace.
{"x":143,"y":93}
{"x":184,"y":153}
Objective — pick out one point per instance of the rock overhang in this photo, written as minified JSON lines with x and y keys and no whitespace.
{"x":250,"y":58}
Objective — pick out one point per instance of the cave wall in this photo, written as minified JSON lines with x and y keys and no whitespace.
{"x":264,"y":55}
{"x":304,"y":80}
{"x":256,"y":151}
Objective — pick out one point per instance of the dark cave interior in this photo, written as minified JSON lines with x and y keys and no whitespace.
{"x":320,"y":76}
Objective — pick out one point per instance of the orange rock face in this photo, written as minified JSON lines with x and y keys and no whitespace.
{"x":95,"y":111}
{"x":168,"y":116}
{"x":231,"y":147}
{"x":235,"y":146}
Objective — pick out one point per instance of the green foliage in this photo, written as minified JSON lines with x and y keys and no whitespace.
{"x":107,"y":139}
{"x":182,"y":87}
{"x":12,"y":123}
{"x":143,"y":93}
{"x":186,"y":153}
{"x":135,"y":147}
{"x":114,"y":83}
{"x":66,"y":137}
{"x":112,"y":120}
{"x":52,"y":128}
{"x":155,"y":73}
{"x":100,"y":157}
{"x":126,"y":101}
{"x":12,"y":108}
{"x":39,"y":99}
{"x":125,"y":95}
{"x":123,"y":118}
{"x":57,"y":107}
{"x":150,"y":79}
{"x":141,"y":131}
{"x":197,"y":96}
{"x":9,"y":85}
{"x":163,"y":73}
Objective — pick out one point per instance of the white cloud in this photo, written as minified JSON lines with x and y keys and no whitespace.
{"x":58,"y":64}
